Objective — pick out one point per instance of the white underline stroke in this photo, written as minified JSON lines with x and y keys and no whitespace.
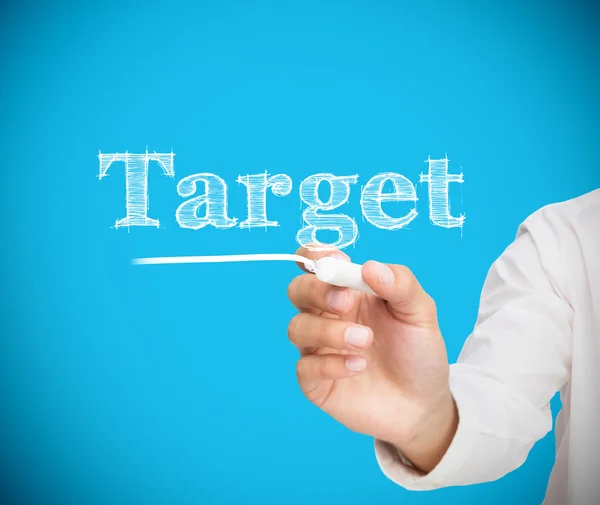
{"x":227,"y":258}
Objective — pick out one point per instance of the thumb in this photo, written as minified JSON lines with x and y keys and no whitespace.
{"x":406,"y":299}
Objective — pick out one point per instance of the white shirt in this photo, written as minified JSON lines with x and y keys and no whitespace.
{"x":537,"y":332}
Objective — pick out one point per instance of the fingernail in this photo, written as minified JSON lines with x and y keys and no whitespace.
{"x":356,"y":364}
{"x":384,"y":273}
{"x":356,"y":336}
{"x":337,"y":299}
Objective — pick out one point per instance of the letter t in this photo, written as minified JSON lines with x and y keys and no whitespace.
{"x":136,"y":183}
{"x":439,"y":201}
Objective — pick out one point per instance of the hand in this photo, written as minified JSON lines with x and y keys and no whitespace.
{"x":377,"y":364}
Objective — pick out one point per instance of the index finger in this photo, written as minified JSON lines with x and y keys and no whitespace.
{"x":321,"y":253}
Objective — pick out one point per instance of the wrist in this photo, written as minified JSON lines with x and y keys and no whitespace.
{"x":433,"y":436}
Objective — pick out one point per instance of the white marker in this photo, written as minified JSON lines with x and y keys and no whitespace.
{"x":333,"y":271}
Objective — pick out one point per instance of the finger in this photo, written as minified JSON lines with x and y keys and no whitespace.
{"x":308,"y":292}
{"x":396,"y":284}
{"x":315,"y":254}
{"x":309,"y":330}
{"x":313,"y":367}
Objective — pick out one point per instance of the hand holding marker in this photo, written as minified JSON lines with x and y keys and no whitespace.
{"x":377,"y":364}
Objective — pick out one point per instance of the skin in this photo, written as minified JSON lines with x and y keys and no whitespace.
{"x":376,"y":364}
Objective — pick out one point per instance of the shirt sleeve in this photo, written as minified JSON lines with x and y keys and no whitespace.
{"x":511,"y":366}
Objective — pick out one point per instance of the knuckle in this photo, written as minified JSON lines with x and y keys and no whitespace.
{"x":292,"y":288}
{"x":311,"y":250}
{"x":300,"y":368}
{"x":324,"y":367}
{"x":327,"y":332}
{"x":405,"y":274}
{"x":298,"y":288}
{"x":314,"y":292}
{"x":292,"y":328}
{"x":404,"y":279}
{"x":323,"y":332}
{"x":430,"y":303}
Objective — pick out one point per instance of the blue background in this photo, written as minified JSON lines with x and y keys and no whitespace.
{"x":176,"y":385}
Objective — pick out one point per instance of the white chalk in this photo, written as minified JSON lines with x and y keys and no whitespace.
{"x":330,"y":270}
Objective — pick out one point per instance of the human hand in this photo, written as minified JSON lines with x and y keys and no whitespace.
{"x":377,"y":364}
